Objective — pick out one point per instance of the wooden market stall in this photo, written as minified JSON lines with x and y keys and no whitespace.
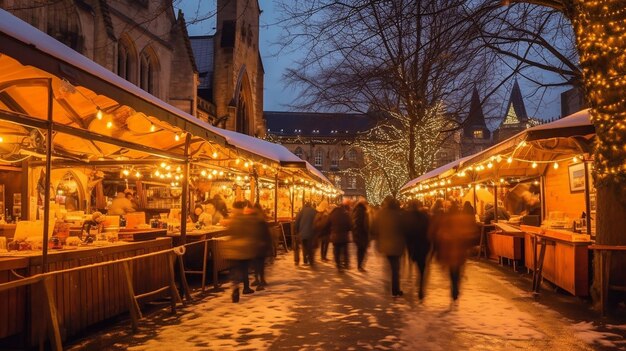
{"x":542,"y":199}
{"x":72,"y":135}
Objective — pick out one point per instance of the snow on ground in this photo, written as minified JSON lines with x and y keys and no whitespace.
{"x":321,"y":309}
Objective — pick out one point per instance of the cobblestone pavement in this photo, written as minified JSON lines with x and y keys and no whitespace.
{"x":322,"y":309}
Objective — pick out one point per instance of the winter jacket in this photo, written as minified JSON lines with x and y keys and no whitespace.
{"x":453,"y":235}
{"x":340,"y":225}
{"x":360,"y":225}
{"x":388,"y":230}
{"x":249,"y":238}
{"x":416,"y":231}
{"x":304,"y":222}
{"x":320,"y":226}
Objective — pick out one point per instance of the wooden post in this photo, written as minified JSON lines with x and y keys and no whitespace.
{"x":133,"y":306}
{"x":183,"y":278}
{"x":175,"y":297}
{"x":495,"y":202}
{"x":587,"y":199}
{"x":46,"y":204}
{"x":53,"y":321}
{"x":542,"y":190}
{"x":185,"y":197}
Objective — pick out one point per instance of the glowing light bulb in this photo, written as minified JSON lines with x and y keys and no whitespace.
{"x":489,"y":165}
{"x":152,"y":127}
{"x":556,"y":165}
{"x":109,"y":125}
{"x":214,"y":155}
{"x":509,"y":160}
{"x":501,"y":180}
{"x":163,"y":164}
{"x":157,"y":173}
{"x":168,"y":167}
{"x":534,"y":165}
{"x":575,"y":159}
{"x":1,"y":140}
{"x":99,"y":113}
{"x":176,"y":137}
{"x":178,"y":169}
{"x":246,"y":164}
{"x":203,"y":173}
{"x":237,"y":161}
{"x":126,"y":172}
{"x":221,"y":173}
{"x":214,"y":172}
{"x":138,"y":175}
{"x":210,"y":176}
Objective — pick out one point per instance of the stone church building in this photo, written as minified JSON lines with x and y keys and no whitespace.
{"x":146,"y":42}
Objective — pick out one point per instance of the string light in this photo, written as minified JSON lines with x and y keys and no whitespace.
{"x":176,"y":137}
{"x":556,"y":165}
{"x":126,"y":172}
{"x":138,"y":174}
{"x":152,"y":127}
{"x":1,"y":139}
{"x":109,"y":125}
{"x":214,"y":154}
{"x":534,"y":165}
{"x":98,"y":113}
{"x":575,"y":159}
{"x":509,"y":160}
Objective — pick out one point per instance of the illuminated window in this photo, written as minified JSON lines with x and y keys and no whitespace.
{"x":352,"y":182}
{"x":352,"y":155}
{"x":319,"y":157}
{"x":478,"y":134}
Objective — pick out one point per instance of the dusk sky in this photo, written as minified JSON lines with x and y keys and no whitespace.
{"x":277,"y":97}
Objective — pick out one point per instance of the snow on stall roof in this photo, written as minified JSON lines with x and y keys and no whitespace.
{"x":317,"y":172}
{"x":435,"y":172}
{"x":266,"y":149}
{"x":578,"y":119}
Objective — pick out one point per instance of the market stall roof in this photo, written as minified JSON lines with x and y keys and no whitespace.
{"x":260,"y":147}
{"x":440,"y":171}
{"x":33,"y":47}
{"x":544,"y":143}
{"x":572,"y":126}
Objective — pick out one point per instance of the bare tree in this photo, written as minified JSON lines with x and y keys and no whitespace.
{"x":402,"y":59}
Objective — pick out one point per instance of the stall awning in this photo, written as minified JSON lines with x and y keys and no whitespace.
{"x":31,"y":47}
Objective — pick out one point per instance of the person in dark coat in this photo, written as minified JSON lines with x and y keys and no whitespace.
{"x":304,"y":230}
{"x":416,"y":223}
{"x":241,"y":247}
{"x":490,"y":214}
{"x":360,"y":232}
{"x":340,"y":224}
{"x":321,"y":229}
{"x":388,"y":231}
{"x":265,"y":246}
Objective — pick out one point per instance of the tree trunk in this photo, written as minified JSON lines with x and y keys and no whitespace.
{"x":601,"y":41}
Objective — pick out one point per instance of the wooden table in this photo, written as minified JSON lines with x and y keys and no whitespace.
{"x":506,"y":241}
{"x":83,"y":298}
{"x":559,"y":256}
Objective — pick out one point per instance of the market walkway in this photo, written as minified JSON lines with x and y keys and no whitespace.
{"x":304,"y":309}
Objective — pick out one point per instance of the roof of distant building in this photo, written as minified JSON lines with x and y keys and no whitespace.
{"x":317,"y":123}
{"x":475,"y":119}
{"x":515,"y":110}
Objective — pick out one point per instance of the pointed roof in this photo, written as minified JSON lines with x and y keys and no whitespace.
{"x":476,"y":118}
{"x":515,"y":110}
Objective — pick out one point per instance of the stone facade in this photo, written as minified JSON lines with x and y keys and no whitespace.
{"x":143,"y":41}
{"x":231,"y":70}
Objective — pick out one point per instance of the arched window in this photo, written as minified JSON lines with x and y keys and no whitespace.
{"x":242,"y":114}
{"x":63,"y":24}
{"x":299,"y":152}
{"x":126,"y":60}
{"x":352,"y":155}
{"x":319,"y":157}
{"x":148,"y":71}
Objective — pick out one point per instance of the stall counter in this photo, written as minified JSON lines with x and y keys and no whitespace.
{"x":86,"y":297}
{"x":566,"y":260}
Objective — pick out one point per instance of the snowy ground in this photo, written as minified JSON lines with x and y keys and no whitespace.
{"x":321,"y":309}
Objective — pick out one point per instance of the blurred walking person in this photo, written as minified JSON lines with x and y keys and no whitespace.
{"x":416,"y":223}
{"x":360,"y":232}
{"x":387,"y":230}
{"x":321,"y":229}
{"x":453,"y":235}
{"x":241,"y":247}
{"x":264,"y":244}
{"x":304,"y":230}
{"x":340,"y":224}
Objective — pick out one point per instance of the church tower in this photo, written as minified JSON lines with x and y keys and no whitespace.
{"x":476,"y":135}
{"x":238,"y":70}
{"x":516,"y":118}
